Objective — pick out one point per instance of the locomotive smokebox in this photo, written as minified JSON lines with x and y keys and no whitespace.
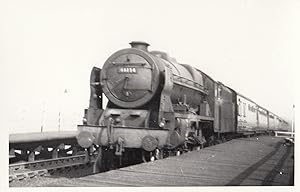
{"x":139,"y":45}
{"x":130,"y":77}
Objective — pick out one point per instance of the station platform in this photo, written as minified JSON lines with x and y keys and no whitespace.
{"x":255,"y":161}
{"x":21,"y":138}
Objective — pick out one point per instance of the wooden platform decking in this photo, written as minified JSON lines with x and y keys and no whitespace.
{"x":258,"y":161}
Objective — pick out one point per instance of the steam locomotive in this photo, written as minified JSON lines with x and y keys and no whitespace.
{"x":157,"y":107}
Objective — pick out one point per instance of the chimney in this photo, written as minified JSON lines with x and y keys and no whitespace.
{"x":139,"y":45}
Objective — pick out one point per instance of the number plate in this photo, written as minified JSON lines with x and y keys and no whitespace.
{"x":130,"y":70}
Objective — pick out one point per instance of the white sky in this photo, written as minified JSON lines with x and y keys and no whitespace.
{"x":49,"y":46}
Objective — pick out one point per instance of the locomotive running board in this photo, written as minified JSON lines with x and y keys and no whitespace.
{"x":193,"y":117}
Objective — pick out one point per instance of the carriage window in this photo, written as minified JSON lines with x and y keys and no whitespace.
{"x":219,"y":92}
{"x":251,"y":108}
{"x":240,"y":108}
{"x":244,"y":109}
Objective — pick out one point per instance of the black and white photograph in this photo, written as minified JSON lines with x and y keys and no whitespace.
{"x":129,"y":95}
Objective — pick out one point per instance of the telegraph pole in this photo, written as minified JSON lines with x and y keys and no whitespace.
{"x":62,"y":100}
{"x":43,"y":117}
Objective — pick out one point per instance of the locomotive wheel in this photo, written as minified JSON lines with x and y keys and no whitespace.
{"x":98,"y":166}
{"x":146,"y":156}
{"x":105,"y":160}
{"x":159,"y":154}
{"x":224,"y":139}
{"x":152,"y":155}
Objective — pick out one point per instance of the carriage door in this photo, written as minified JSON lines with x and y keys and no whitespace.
{"x":226,"y":109}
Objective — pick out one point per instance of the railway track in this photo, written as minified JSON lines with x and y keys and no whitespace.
{"x":27,"y":170}
{"x":33,"y":155}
